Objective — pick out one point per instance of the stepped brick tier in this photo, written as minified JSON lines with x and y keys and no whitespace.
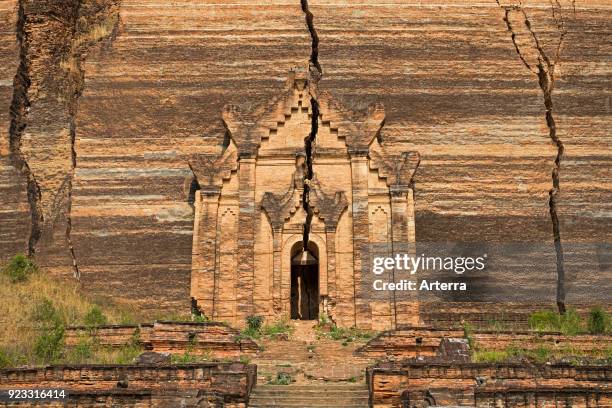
{"x":482,"y":315}
{"x":555,"y":341}
{"x":112,"y":117}
{"x":208,"y":384}
{"x":479,"y":315}
{"x":485,"y":385}
{"x":411,"y":342}
{"x":408,"y":342}
{"x":217,"y":339}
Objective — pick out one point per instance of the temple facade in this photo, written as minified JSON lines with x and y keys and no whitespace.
{"x":350,"y":192}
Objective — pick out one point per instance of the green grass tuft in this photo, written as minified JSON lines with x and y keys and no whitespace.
{"x":598,"y":321}
{"x":19,"y":268}
{"x":569,"y":323}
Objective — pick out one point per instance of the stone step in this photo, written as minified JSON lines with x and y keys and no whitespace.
{"x":301,"y":405}
{"x":310,"y":395}
{"x":308,"y":401}
{"x":312,"y":387}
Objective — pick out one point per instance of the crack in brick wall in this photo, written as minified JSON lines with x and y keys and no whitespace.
{"x":82,"y":25}
{"x":20,"y":107}
{"x":544,"y":70}
{"x":314,"y":75}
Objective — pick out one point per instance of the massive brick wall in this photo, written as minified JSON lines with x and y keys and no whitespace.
{"x":452,"y":82}
{"x":14,"y":210}
{"x":457,"y":91}
{"x":153,"y":98}
{"x":484,"y":385}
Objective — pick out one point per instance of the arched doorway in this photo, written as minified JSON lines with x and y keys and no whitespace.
{"x":304,"y":282}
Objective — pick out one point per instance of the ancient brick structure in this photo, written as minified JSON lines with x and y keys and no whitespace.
{"x":191,"y":385}
{"x":486,"y":385}
{"x":408,"y":342}
{"x":103,"y":108}
{"x":255,"y":201}
{"x":216,"y":339}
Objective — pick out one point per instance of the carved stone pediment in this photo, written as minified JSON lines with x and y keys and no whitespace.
{"x":329,"y":207}
{"x":397,"y":169}
{"x":248,"y":126}
{"x":210,"y":169}
{"x":358,"y":128}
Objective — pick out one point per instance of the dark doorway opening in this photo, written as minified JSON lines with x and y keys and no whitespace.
{"x":305,"y":284}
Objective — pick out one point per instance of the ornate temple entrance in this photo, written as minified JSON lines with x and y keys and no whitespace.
{"x":304,"y":285}
{"x":252,"y":207}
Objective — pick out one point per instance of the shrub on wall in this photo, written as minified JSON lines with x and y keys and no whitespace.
{"x":254,"y":322}
{"x":49,"y":344}
{"x":95,"y":317}
{"x":19,"y":268}
{"x":598,"y":321}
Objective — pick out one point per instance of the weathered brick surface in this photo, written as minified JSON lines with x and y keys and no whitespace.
{"x":218,"y":339}
{"x":425,"y":341}
{"x":110,"y":130}
{"x":479,"y":315}
{"x":482,"y":384}
{"x":530,"y":340}
{"x":114,"y":336}
{"x":456,"y":90}
{"x":137,"y":399}
{"x":408,"y":342}
{"x":143,"y":386}
{"x":14,"y":217}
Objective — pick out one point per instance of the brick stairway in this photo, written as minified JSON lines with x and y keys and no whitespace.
{"x":307,"y":359}
{"x":323,"y":372}
{"x":329,"y":395}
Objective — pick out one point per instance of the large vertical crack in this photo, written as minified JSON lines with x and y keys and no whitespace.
{"x":314,"y":52}
{"x":77,"y":26}
{"x":314,"y":75}
{"x":93,"y":24}
{"x":544,"y":69}
{"x":20,"y":107}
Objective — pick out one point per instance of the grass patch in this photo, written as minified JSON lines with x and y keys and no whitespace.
{"x":189,"y":357}
{"x":571,"y":323}
{"x":95,"y":317}
{"x":468,"y":333}
{"x":254,"y":322}
{"x":19,"y":268}
{"x":598,"y":321}
{"x":345,"y":335}
{"x":10,"y":357}
{"x":281,"y":379}
{"x":540,"y":355}
{"x":281,"y":326}
{"x":255,"y":329}
{"x":36,"y":309}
